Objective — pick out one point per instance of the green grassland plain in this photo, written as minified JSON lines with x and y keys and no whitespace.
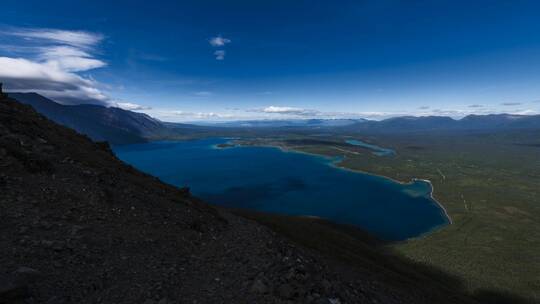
{"x":489,"y":184}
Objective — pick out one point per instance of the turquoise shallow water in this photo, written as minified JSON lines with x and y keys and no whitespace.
{"x":268,"y":179}
{"x":379,"y":151}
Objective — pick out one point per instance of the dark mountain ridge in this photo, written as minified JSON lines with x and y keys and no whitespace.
{"x":101,"y":123}
{"x":118,"y":126}
{"x":491,"y":122}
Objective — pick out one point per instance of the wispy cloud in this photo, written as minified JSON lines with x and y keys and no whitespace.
{"x":197,"y":115}
{"x":79,"y":39}
{"x":476,"y":106}
{"x":28,"y":76}
{"x":69,"y":58}
{"x":526,"y":112}
{"x":291,"y":112}
{"x":220,"y":54}
{"x":511,"y":104}
{"x":132,"y":106}
{"x":287,"y":110}
{"x":218,"y":41}
{"x":47,"y":61}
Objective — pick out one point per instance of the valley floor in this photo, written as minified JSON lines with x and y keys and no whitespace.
{"x":488,"y":183}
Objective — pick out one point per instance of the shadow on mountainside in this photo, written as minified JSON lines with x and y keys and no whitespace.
{"x":347,"y":246}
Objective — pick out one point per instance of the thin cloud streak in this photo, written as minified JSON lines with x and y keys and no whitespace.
{"x":79,"y":39}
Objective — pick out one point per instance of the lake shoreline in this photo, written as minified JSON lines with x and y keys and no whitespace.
{"x":401,"y":222}
{"x":336,"y":165}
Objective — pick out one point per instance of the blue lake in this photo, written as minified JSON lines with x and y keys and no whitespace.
{"x":268,"y":179}
{"x":379,"y":151}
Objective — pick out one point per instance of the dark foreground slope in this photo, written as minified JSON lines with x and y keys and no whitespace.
{"x":79,"y":226}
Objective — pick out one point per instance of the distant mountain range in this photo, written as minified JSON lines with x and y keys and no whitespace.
{"x":101,"y":123}
{"x":119,"y":126}
{"x":398,"y":124}
{"x":279,"y":123}
{"x":492,"y":122}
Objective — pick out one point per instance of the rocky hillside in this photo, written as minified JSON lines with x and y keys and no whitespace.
{"x":79,"y":226}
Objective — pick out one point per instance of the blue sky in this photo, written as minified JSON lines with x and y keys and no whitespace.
{"x":224,"y":60}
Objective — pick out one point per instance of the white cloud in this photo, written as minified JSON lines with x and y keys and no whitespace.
{"x":218,"y":41}
{"x":69,"y":58}
{"x":526,"y":112}
{"x":28,"y":76}
{"x":286,"y":110}
{"x":295,"y":112}
{"x":195,"y":115}
{"x":132,"y":106}
{"x":47,"y":61}
{"x":79,"y":39}
{"x":220,"y":54}
{"x":291,"y":111}
{"x":175,"y":115}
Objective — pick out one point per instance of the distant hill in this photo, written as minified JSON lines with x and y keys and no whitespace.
{"x":494,"y":122}
{"x":280,"y":123}
{"x":408,"y":123}
{"x":392,"y":125}
{"x":119,"y":126}
{"x":500,"y":121}
{"x":101,"y":123}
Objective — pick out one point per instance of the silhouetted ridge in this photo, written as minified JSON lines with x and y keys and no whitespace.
{"x":100,"y":123}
